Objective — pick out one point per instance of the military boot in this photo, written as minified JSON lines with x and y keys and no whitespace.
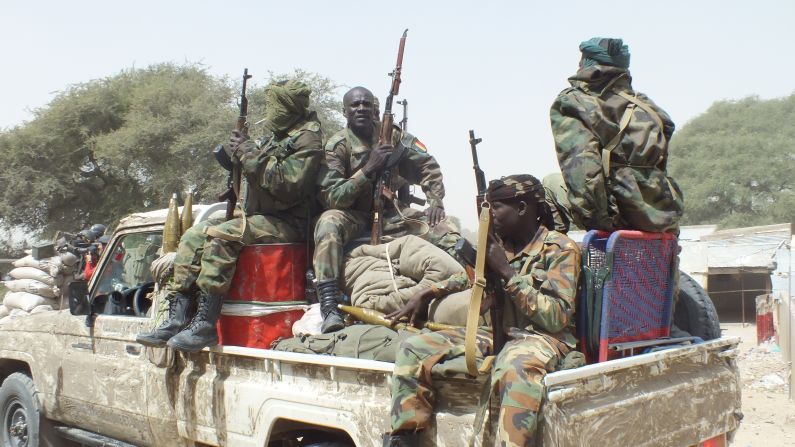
{"x":402,"y":439}
{"x":201,"y":332}
{"x":180,"y":311}
{"x":329,"y":296}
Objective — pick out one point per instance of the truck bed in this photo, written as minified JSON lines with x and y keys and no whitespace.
{"x":676,"y":397}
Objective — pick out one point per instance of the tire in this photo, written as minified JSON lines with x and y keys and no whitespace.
{"x":20,"y":412}
{"x":695,"y":313}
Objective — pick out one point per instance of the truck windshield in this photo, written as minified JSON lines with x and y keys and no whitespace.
{"x":128,"y":267}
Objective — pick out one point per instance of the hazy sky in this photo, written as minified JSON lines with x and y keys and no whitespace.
{"x":492,"y":66}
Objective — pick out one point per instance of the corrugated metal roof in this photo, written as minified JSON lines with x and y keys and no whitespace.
{"x":752,"y":247}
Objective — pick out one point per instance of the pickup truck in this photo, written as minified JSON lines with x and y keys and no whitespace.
{"x":67,"y":383}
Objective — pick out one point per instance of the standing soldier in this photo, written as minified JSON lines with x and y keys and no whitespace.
{"x":280,"y":175}
{"x":538,"y":269}
{"x":612,"y":147}
{"x":346,"y":190}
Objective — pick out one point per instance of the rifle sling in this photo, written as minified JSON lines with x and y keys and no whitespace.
{"x":479,"y":286}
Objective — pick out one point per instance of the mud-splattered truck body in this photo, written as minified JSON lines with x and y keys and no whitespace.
{"x":97,"y":386}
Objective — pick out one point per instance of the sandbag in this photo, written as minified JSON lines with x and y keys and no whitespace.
{"x":4,"y":311}
{"x":42,"y":308}
{"x":53,"y":265}
{"x":34,"y":273}
{"x":17,"y":313}
{"x":26,"y":301}
{"x":33,"y":286}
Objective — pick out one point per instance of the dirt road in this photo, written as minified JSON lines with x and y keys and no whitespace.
{"x":769,"y":414}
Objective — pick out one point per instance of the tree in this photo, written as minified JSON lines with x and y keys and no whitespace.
{"x":735,"y":163}
{"x":105,"y":148}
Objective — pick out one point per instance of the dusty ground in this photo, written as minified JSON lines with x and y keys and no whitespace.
{"x":769,"y":414}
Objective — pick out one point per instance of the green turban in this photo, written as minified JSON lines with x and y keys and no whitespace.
{"x":616,"y":54}
{"x":286,"y":104}
{"x":515,"y":186}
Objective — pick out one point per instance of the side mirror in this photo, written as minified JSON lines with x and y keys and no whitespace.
{"x":78,"y":298}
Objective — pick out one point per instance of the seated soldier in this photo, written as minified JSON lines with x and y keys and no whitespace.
{"x":280,"y":175}
{"x":612,"y":147}
{"x":538,"y":268}
{"x":353,"y":161}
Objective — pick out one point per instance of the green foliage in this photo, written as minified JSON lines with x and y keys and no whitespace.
{"x":735,"y":163}
{"x":109,"y":147}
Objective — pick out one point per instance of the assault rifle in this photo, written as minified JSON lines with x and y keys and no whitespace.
{"x":404,"y":193}
{"x":467,"y":252}
{"x":404,"y":123}
{"x":383,"y":186}
{"x":233,"y":180}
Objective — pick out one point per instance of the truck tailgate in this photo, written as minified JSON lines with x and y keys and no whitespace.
{"x":676,"y":397}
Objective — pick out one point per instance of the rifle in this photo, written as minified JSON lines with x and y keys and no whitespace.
{"x":382,"y":188}
{"x":493,"y":281}
{"x":404,"y":123}
{"x":372,"y":316}
{"x":233,"y":180}
{"x":404,"y":193}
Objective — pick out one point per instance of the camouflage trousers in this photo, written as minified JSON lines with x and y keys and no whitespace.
{"x":517,"y":377}
{"x":208,"y":263}
{"x":336,"y":229}
{"x":556,"y":194}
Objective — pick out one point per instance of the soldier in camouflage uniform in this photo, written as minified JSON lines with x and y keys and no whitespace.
{"x":612,"y":146}
{"x":346,"y":182}
{"x":539,"y":268}
{"x":279,"y":177}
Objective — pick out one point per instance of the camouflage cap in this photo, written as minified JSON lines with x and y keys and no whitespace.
{"x":515,"y":186}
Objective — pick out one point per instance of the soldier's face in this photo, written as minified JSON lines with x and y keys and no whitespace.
{"x":512,"y":218}
{"x":358,"y":109}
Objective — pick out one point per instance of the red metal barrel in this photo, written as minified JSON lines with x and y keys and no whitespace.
{"x":269,"y":283}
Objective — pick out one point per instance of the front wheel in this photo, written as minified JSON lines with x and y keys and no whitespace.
{"x":20,"y":411}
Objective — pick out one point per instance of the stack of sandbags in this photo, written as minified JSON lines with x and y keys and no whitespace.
{"x":37,"y":285}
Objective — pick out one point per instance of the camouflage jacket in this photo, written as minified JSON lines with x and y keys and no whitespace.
{"x":343,"y":185}
{"x":280,"y":173}
{"x":636,"y":193}
{"x":541,"y":295}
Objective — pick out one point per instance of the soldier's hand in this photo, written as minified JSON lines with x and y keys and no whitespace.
{"x":435,"y":215}
{"x":415,"y":309}
{"x":496,"y":259}
{"x":377,"y":160}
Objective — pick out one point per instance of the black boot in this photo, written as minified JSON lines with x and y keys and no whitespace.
{"x":402,"y":439}
{"x":329,"y":296}
{"x":201,"y":332}
{"x":180,"y":311}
